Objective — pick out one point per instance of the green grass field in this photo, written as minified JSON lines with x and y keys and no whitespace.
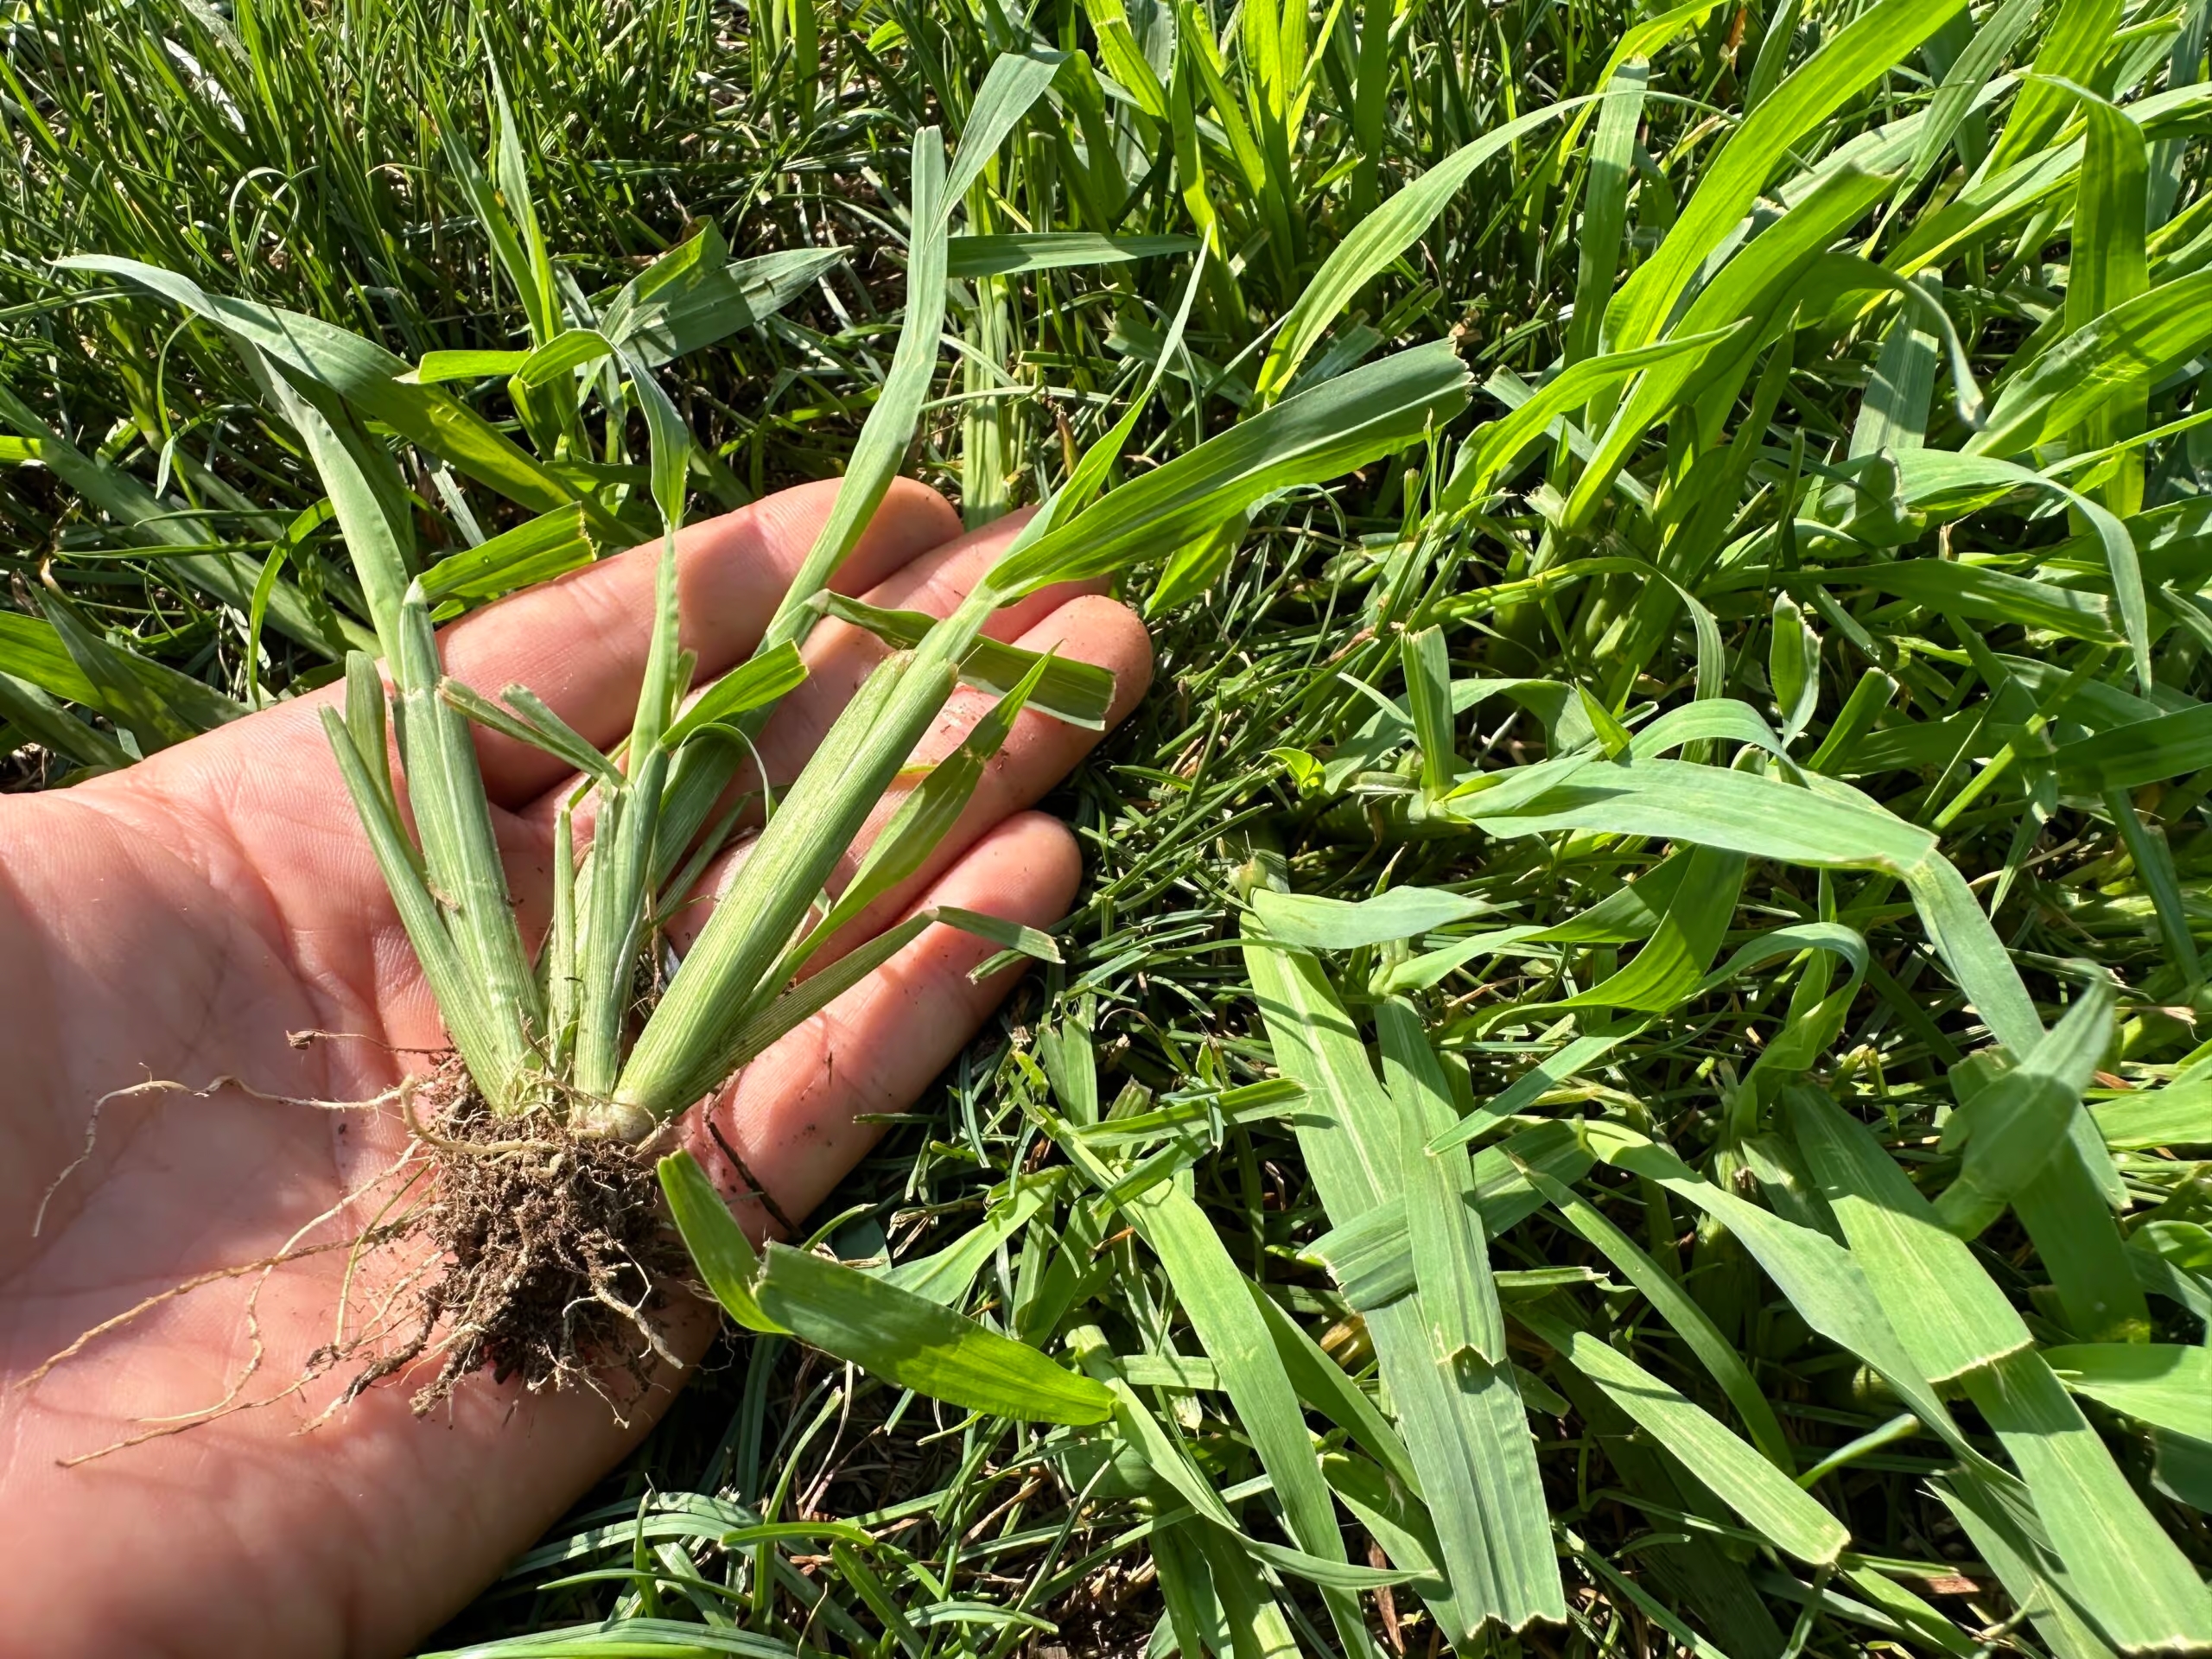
{"x":1628,"y":1070}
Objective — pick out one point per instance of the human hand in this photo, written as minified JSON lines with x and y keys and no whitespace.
{"x":176,"y":921}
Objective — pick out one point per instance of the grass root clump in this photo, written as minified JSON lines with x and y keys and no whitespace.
{"x":558,"y":1265}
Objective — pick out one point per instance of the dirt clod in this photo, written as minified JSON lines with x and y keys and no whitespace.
{"x":558,"y":1260}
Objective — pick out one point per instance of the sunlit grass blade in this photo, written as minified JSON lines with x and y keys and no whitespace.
{"x":707,"y":769}
{"x":1465,"y":1429}
{"x":1067,"y":689}
{"x":1689,"y":1321}
{"x":537,"y":551}
{"x":867,"y":1321}
{"x":1231,"y":1330}
{"x":1877,"y":39}
{"x":2014,"y":1124}
{"x":1767,"y":1499}
{"x":369,"y":378}
{"x":1319,"y":434}
{"x":1380,"y":237}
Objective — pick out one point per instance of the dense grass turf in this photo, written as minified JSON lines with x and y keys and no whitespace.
{"x":1845,"y":569}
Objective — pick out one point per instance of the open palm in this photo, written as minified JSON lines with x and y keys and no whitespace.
{"x":176,"y":921}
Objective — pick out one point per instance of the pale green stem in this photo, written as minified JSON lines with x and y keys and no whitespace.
{"x":559,"y":965}
{"x":467,"y":1017}
{"x":462,"y":858}
{"x":705,"y":770}
{"x":688,"y":1043}
{"x":620,"y":887}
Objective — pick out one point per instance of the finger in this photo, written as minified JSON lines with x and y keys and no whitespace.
{"x":839,"y":656}
{"x":579,"y":642}
{"x":1039,"y":752}
{"x":792,"y":1116}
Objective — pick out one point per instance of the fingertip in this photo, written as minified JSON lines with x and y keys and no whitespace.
{"x":801,"y":1114}
{"x":1108,"y":634}
{"x":913,"y":519}
{"x":1031,"y":862}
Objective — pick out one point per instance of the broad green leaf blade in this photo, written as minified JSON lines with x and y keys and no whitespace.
{"x":943,"y":1276}
{"x":438,"y":368}
{"x":1604,"y":205}
{"x":1822,"y":1280}
{"x":1311,"y":921}
{"x":1032,"y":941}
{"x":1946,"y":1309}
{"x":566,"y":353}
{"x":753,"y":684}
{"x":710,"y":304}
{"x":1496,"y":446}
{"x":2131,"y":1578}
{"x":2095,"y":1521}
{"x":1015,"y":255}
{"x":2079,"y":36}
{"x":1826,"y":825}
{"x":1689,"y":1321}
{"x":1015,"y":81}
{"x":1380,"y":238}
{"x":544,"y":547}
{"x":158,"y":705}
{"x":1880,"y":37}
{"x":2006,"y":1534}
{"x":1465,"y":1429}
{"x":912,"y":1342}
{"x":669,"y":444}
{"x":1324,"y":1387}
{"x":1370,"y":1256}
{"x":2157,"y":1383}
{"x":2108,"y":265}
{"x":706,"y":771}
{"x":1767,"y":1499}
{"x":1983,"y":58}
{"x":1451,"y":1258}
{"x":719,"y":1249}
{"x":2117,"y":354}
{"x":927,"y":815}
{"x":367,"y":377}
{"x":2020,"y":1118}
{"x":2178,"y":1115}
{"x":1309,"y":438}
{"x":1427,"y":665}
{"x":2142,"y":752}
{"x":1762,"y":283}
{"x":1214,"y":1297}
{"x":40,"y":719}
{"x":233,"y":575}
{"x":32,"y":648}
{"x":1078,"y":692}
{"x":367,"y":496}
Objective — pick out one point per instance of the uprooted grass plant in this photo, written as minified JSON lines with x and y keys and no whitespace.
{"x":1630,"y":1058}
{"x":569,"y":1055}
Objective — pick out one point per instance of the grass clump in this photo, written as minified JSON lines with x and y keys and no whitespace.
{"x":1627,"y":1070}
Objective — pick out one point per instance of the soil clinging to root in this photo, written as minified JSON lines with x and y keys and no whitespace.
{"x":558,"y":1261}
